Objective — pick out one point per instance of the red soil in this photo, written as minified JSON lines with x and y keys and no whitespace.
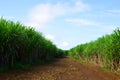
{"x":61,"y":69}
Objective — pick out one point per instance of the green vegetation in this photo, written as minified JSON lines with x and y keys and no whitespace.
{"x":22,"y":46}
{"x":104,"y":51}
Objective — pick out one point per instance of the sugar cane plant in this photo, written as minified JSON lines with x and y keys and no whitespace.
{"x":21,"y":44}
{"x":104,"y":51}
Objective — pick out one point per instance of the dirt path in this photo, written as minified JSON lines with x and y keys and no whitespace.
{"x":61,"y":69}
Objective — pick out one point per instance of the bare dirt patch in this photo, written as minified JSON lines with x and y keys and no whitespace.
{"x":60,"y":69}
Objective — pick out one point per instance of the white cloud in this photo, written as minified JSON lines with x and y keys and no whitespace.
{"x":34,"y":25}
{"x":50,"y":37}
{"x":79,"y":22}
{"x":113,"y":11}
{"x":44,"y":13}
{"x":8,"y":17}
{"x":93,"y":26}
{"x":64,"y":44}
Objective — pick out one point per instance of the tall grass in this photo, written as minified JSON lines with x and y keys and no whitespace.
{"x":20,"y":44}
{"x":104,"y":51}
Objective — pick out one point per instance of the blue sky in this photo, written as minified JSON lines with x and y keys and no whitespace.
{"x":66,"y":23}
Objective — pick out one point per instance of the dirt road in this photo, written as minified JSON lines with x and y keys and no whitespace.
{"x":61,"y":69}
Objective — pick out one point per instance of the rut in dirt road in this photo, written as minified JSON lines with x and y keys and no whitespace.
{"x":61,"y":69}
